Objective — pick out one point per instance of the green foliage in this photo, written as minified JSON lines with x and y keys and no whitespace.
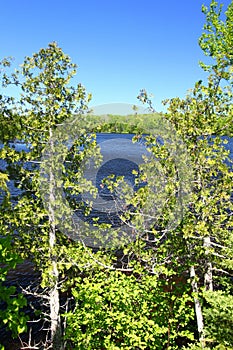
{"x":219,"y":318}
{"x":199,"y":346}
{"x":8,"y":119}
{"x":217,"y":39}
{"x":116,"y":311}
{"x":133,"y":124}
{"x":216,"y":42}
{"x":12,"y":302}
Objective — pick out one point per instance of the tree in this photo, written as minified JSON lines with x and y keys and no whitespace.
{"x":201,"y":118}
{"x":46,"y":101}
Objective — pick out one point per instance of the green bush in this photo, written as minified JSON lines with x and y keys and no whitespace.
{"x":116,"y":311}
{"x":219,"y":318}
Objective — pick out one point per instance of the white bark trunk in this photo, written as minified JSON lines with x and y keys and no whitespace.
{"x":198,"y":310}
{"x":208,"y":277}
{"x":54,"y":302}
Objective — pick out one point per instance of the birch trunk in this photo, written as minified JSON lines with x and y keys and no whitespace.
{"x":198,"y":310}
{"x":54,"y":301}
{"x":208,"y":277}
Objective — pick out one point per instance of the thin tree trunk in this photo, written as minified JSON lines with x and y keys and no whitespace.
{"x":56,"y":332}
{"x":198,"y":310}
{"x":208,"y":277}
{"x":54,"y":301}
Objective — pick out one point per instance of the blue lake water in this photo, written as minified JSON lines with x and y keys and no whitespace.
{"x":121,"y":156}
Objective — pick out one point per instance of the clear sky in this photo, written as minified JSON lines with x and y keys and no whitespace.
{"x":120,"y":46}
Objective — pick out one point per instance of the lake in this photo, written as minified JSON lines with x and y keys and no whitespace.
{"x":121,"y":157}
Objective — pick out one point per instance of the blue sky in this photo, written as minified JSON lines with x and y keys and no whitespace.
{"x":120,"y":46}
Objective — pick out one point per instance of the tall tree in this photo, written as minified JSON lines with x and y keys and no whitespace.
{"x":47,"y":100}
{"x":201,"y":118}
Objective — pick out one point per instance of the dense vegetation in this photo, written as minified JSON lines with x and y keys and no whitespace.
{"x":170,"y":285}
